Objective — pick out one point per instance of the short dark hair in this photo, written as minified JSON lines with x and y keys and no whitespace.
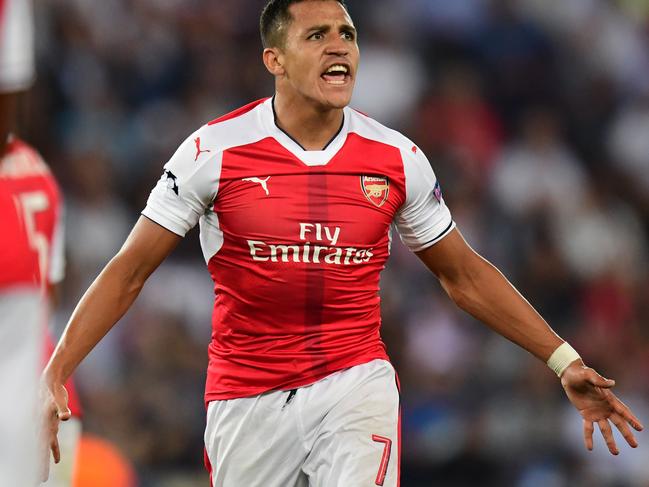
{"x":275,"y":18}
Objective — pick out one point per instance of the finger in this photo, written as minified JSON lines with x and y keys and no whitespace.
{"x":53,"y":431}
{"x":64,"y":415}
{"x":623,"y":410}
{"x":56,"y":451}
{"x":607,"y":434}
{"x":588,"y":434}
{"x":621,"y":425}
{"x":597,"y":380}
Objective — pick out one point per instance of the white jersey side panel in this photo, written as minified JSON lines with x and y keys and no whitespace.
{"x":424,"y":218}
{"x":17,"y":69}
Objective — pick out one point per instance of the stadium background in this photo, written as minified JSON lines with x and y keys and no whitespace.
{"x":535,"y":114}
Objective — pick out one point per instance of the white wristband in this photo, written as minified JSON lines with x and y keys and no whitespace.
{"x":563,"y":356}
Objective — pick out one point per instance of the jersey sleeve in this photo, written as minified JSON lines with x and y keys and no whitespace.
{"x":424,"y":218}
{"x":185,"y":190}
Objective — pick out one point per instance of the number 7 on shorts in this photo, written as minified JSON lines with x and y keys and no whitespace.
{"x":385,"y":458}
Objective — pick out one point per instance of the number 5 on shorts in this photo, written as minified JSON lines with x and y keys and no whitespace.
{"x":385,"y":458}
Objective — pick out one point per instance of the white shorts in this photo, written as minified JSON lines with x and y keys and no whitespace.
{"x":342,"y":431}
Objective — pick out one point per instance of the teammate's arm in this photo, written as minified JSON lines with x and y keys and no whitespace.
{"x":103,"y":304}
{"x":478,"y":288}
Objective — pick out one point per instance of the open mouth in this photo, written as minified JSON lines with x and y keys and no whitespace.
{"x":336,"y":74}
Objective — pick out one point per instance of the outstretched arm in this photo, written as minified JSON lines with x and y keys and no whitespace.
{"x":103,"y":304}
{"x":480,"y":289}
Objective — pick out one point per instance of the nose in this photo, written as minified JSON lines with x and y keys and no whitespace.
{"x":337,"y":46}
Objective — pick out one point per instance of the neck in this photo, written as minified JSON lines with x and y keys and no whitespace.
{"x":309,"y":126}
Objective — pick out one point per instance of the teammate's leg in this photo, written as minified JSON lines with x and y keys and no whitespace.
{"x":255,"y":442}
{"x":356,"y":441}
{"x":20,"y":354}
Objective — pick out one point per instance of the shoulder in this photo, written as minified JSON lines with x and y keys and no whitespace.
{"x":239,"y":112}
{"x":366,"y":127}
{"x":242,"y":126}
{"x":23,"y":161}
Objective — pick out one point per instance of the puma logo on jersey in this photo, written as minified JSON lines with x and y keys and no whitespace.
{"x":263,"y":182}
{"x":197,"y":141}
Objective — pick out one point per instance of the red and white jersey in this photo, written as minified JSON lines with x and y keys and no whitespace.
{"x":295,"y":241}
{"x":17,"y":69}
{"x":31,"y":250}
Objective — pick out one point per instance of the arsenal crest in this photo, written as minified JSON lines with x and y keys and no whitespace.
{"x":375,"y":189}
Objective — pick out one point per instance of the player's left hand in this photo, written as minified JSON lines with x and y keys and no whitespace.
{"x":591,"y":394}
{"x":55,"y":409}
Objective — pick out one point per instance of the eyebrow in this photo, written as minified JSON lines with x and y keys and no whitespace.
{"x":327,"y":28}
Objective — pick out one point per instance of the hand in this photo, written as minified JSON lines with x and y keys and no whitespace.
{"x":590,"y":393}
{"x":55,"y":409}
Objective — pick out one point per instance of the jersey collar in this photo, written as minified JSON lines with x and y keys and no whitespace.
{"x":308,"y":157}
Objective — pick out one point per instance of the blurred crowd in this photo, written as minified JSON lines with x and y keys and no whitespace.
{"x":535,"y":116}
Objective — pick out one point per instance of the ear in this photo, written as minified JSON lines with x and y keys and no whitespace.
{"x":273,"y":60}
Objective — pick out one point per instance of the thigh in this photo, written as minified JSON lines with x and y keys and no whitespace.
{"x":357,"y":441}
{"x":254,"y":442}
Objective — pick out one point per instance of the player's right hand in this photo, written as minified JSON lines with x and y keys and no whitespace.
{"x":55,"y":409}
{"x":591,"y":394}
